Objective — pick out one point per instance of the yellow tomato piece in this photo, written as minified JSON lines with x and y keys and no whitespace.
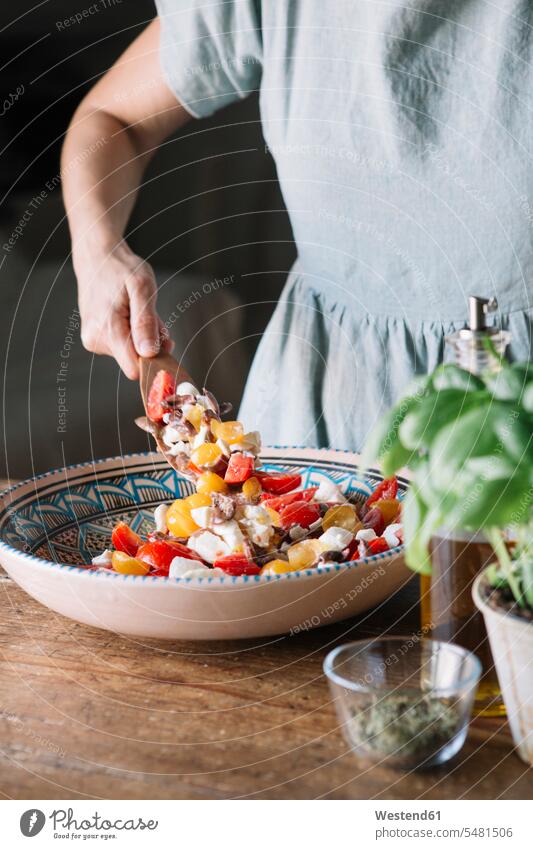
{"x":274,"y":516}
{"x":197,"y":499}
{"x":342,"y":516}
{"x":210,"y":482}
{"x":207,"y":454}
{"x":303,"y":554}
{"x":179,"y":521}
{"x":277,"y":567}
{"x":252,"y":488}
{"x":194,"y":416}
{"x":390,"y":508}
{"x":127,"y":565}
{"x":230,"y":432}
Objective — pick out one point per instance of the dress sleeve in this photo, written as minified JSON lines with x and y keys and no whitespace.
{"x":210,"y":51}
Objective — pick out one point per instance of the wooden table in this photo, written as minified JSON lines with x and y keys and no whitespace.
{"x":88,"y":714}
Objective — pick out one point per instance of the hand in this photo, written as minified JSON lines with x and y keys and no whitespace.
{"x":117,"y":299}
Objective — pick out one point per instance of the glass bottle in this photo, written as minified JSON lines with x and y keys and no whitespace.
{"x":448,"y":611}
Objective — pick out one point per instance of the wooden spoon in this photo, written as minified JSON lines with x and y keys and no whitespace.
{"x":148,"y":368}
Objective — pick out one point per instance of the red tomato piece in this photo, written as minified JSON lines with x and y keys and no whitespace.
{"x":237,"y":564}
{"x":124,"y":539}
{"x":278,"y":482}
{"x":377,"y":546}
{"x":299,"y":513}
{"x":276,"y":502}
{"x":160,"y":554}
{"x":240,"y":468}
{"x":374,"y":519}
{"x":162,"y":386}
{"x":386,"y":489}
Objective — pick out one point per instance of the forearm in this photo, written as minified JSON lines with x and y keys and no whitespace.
{"x":102,"y":166}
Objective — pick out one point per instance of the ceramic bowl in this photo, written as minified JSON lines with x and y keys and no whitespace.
{"x":53,"y":523}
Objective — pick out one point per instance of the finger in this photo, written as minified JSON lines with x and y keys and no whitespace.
{"x":143,"y":317}
{"x":121,"y":346}
{"x":167,"y":344}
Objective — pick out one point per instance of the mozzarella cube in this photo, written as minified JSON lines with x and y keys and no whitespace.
{"x":171,"y":435}
{"x":260,"y":534}
{"x":186,"y":388}
{"x":390,"y":535}
{"x":160,"y":518}
{"x":203,"y":516}
{"x":257,"y":513}
{"x":224,"y":447}
{"x":103,"y":559}
{"x":203,"y":435}
{"x":230,"y":533}
{"x":250,"y":443}
{"x":208,"y":545}
{"x":179,"y":567}
{"x":329,"y":492}
{"x":336,"y":539}
{"x":366,"y":535}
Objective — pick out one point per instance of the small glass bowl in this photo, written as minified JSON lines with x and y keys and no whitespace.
{"x":403,"y":700}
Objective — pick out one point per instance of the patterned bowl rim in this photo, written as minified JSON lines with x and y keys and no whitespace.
{"x":176,"y":582}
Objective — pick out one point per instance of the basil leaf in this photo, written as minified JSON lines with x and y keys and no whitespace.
{"x":450,"y":376}
{"x":506,"y":385}
{"x":513,"y":431}
{"x":422,"y":424}
{"x":527,"y":398}
{"x":488,"y":503}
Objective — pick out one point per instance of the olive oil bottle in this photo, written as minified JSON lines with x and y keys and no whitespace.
{"x":448,"y":611}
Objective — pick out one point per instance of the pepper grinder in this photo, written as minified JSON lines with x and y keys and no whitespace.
{"x":469,"y":345}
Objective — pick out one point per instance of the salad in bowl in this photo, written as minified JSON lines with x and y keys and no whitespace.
{"x":242,"y":519}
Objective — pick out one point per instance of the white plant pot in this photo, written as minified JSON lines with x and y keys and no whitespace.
{"x":511,"y":642}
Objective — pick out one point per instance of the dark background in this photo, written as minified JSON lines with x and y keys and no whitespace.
{"x":218,"y":184}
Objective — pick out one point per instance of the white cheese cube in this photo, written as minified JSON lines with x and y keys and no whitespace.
{"x":224,"y":447}
{"x":390,"y":535}
{"x":103,"y":559}
{"x":171,"y":435}
{"x":250,"y":443}
{"x":160,"y":518}
{"x":179,"y":567}
{"x":260,"y":534}
{"x":336,"y":539}
{"x":328,"y":491}
{"x":208,"y":545}
{"x":257,"y":513}
{"x":203,"y":516}
{"x":203,"y":435}
{"x":366,"y":535}
{"x":230,"y":533}
{"x":186,"y":388}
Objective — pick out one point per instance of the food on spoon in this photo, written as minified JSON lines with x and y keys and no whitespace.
{"x":242,"y":520}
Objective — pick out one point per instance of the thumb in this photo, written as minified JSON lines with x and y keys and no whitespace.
{"x":143,"y":317}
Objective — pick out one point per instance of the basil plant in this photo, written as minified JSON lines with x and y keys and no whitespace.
{"x":468,"y":442}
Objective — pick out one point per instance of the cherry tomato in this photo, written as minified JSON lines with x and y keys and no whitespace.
{"x":237,"y":564}
{"x":377,"y":546}
{"x":160,"y":554}
{"x":240,"y":468}
{"x":374,"y":519}
{"x":298,"y":513}
{"x":279,"y":501}
{"x":278,"y":482}
{"x":386,"y":489}
{"x":162,"y":386}
{"x":124,"y":539}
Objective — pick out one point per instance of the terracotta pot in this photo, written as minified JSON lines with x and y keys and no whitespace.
{"x":511,"y":642}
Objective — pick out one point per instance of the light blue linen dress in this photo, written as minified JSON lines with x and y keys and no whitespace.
{"x":403,"y":137}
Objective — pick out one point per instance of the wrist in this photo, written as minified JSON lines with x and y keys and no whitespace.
{"x":94,"y":246}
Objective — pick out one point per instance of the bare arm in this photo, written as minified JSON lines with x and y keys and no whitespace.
{"x":111,"y":138}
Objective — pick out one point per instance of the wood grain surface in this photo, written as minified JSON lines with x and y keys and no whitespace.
{"x":91,"y":714}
